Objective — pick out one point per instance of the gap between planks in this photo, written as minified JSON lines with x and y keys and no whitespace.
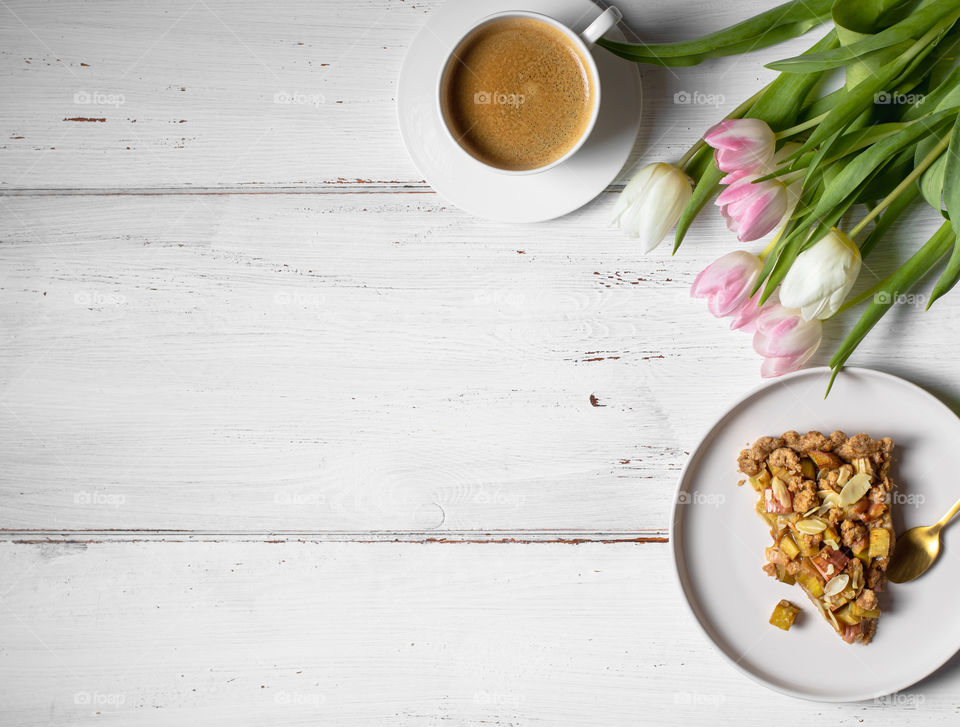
{"x":345,"y":187}
{"x":493,"y":537}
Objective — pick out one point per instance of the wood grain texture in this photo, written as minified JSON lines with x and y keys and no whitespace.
{"x":354,"y":362}
{"x":354,"y":634}
{"x":207,"y":93}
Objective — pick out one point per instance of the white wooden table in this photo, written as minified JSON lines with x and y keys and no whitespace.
{"x":287,"y":439}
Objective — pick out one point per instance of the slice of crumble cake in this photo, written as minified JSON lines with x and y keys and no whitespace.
{"x":827,"y":501}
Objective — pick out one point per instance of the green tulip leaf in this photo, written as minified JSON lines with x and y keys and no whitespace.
{"x":780,"y":103}
{"x":821,"y":154}
{"x":951,"y":175}
{"x":890,"y":289}
{"x":950,"y":276}
{"x":886,"y":179}
{"x":707,"y":186}
{"x":783,"y":22}
{"x":821,"y":105}
{"x":951,"y":199}
{"x":869,"y":16}
{"x":883,"y":223}
{"x":911,"y":27}
{"x":854,"y":172}
{"x":931,"y":181}
{"x":699,"y":163}
{"x":852,"y":102}
{"x":944,"y":95}
{"x":774,"y":36}
{"x":940,"y":57}
{"x":857,"y":99}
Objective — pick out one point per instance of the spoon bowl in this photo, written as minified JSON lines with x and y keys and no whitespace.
{"x":917,"y":549}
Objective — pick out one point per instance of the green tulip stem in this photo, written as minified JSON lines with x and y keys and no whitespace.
{"x":772,"y":244}
{"x":808,"y":124}
{"x":795,"y":174}
{"x":691,"y":152}
{"x":910,"y":179}
{"x":865,"y":295}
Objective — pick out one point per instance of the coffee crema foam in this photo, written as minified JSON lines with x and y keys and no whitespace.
{"x":517,"y":94}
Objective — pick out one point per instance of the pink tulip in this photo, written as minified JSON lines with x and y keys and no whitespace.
{"x":745,"y":317}
{"x":745,"y":145}
{"x":751,"y":209}
{"x":727,"y":281}
{"x":784,"y":340}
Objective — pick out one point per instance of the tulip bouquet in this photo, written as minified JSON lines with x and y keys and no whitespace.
{"x":798,"y":160}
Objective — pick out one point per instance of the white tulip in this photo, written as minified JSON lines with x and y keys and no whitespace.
{"x":821,"y":276}
{"x":652,"y":203}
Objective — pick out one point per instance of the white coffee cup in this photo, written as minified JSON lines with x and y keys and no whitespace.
{"x":582,"y":42}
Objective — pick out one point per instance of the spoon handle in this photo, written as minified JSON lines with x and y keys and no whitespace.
{"x":950,"y":514}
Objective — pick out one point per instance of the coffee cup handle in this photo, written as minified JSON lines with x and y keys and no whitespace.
{"x":607,"y":19}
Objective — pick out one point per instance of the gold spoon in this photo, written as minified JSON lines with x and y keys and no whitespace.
{"x":917,"y":549}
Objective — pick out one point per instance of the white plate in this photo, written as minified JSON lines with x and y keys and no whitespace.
{"x":483,"y":192}
{"x":718,"y":540}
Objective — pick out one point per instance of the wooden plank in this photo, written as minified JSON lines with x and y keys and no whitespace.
{"x":519,"y":537}
{"x":197,"y":92}
{"x":364,"y":362}
{"x":354,"y":634}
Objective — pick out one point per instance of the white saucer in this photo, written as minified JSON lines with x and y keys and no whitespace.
{"x":717,"y":539}
{"x":485,"y":193}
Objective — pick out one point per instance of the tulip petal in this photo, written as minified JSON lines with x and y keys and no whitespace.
{"x":745,"y":317}
{"x":822,"y":275}
{"x":652,"y":202}
{"x":782,"y":332}
{"x":738,"y":190}
{"x":727,"y":282}
{"x":772,"y":367}
{"x":752,"y":208}
{"x":741,"y":144}
{"x":733,"y":177}
{"x":762,"y":215}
